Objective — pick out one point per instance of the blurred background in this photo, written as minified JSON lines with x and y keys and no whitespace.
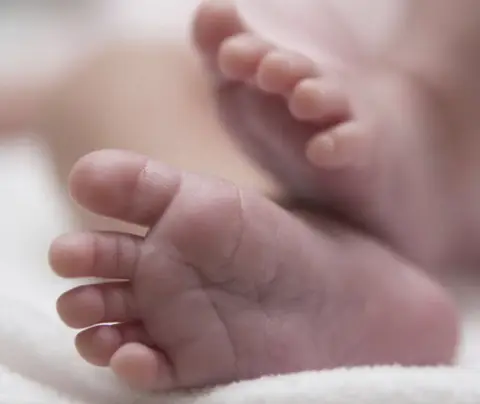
{"x":39,"y":36}
{"x":42,"y":39}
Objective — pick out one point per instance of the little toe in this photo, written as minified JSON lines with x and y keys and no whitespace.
{"x":142,"y":367}
{"x":280,"y":70}
{"x":100,"y":255}
{"x":98,"y":344}
{"x":214,"y":21}
{"x":317,"y":100}
{"x":88,"y":305}
{"x":240,"y":55}
{"x":345,"y":145}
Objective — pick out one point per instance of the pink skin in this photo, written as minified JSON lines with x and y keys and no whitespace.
{"x":225,"y":281}
{"x":19,"y":107}
{"x":227,"y":286}
{"x":368,"y":131}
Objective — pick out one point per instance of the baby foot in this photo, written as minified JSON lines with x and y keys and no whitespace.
{"x":340,"y":137}
{"x":288,"y":97}
{"x":311,"y":96}
{"x":226,"y":286}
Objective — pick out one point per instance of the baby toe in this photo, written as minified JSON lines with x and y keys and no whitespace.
{"x":100,"y":255}
{"x":214,"y":21}
{"x":93,"y":304}
{"x":124,"y":185}
{"x":240,"y":55}
{"x":98,"y":344}
{"x":142,"y":367}
{"x":317,"y":100}
{"x":280,"y":70}
{"x":345,"y":144}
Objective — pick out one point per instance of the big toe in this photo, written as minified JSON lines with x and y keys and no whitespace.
{"x":199,"y":215}
{"x":123,"y":185}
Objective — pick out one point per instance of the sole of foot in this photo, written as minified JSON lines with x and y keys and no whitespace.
{"x":227,"y":286}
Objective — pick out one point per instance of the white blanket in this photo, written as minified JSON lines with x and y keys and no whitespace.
{"x":38,"y":363}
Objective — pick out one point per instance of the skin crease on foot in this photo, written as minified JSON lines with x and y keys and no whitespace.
{"x":227,"y":286}
{"x":386,"y":136}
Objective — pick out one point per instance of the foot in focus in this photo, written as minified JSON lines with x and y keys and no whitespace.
{"x":227,"y":286}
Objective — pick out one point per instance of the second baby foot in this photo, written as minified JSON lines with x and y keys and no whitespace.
{"x":294,"y":98}
{"x":311,"y":95}
{"x":227,"y":286}
{"x":356,"y":139}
